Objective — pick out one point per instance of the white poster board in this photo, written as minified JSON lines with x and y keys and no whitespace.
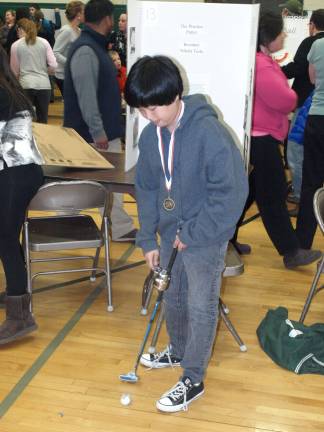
{"x":50,"y":15}
{"x":61,"y":146}
{"x":311,"y":5}
{"x":214,"y":47}
{"x":296,"y":28}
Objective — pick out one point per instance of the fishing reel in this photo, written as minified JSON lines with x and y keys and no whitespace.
{"x":161,"y":279}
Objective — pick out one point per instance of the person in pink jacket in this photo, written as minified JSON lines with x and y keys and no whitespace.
{"x":273,"y":101}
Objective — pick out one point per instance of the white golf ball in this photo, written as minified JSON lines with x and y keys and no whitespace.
{"x":125,"y":399}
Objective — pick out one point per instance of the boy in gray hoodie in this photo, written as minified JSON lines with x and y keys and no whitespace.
{"x":190,"y":189}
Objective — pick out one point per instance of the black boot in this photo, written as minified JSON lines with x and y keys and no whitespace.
{"x":19,"y":320}
{"x":301,"y":257}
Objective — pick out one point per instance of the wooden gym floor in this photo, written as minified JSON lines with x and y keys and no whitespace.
{"x":65,"y":376}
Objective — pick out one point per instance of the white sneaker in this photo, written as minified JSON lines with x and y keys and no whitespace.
{"x":160,"y":360}
{"x":180,"y":396}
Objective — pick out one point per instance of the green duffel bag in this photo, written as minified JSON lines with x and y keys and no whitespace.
{"x":290,"y":344}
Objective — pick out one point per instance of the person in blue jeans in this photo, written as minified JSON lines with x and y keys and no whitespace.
{"x":298,"y":70}
{"x":190,"y":189}
{"x":295,"y":150}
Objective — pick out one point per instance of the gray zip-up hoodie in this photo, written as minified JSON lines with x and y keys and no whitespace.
{"x":209,"y":183}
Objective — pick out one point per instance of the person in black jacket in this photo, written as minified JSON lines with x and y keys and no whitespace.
{"x":298,"y":69}
{"x":10,"y":21}
{"x":12,"y":36}
{"x":45,"y":28}
{"x":118,"y":39}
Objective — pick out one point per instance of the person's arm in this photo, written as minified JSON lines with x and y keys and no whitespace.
{"x":14,"y":61}
{"x":112,"y":40}
{"x":312,"y":74}
{"x":272,"y":87}
{"x":312,"y":56}
{"x":3,"y":36}
{"x":11,"y":38}
{"x":152,"y":258}
{"x":85,"y":72}
{"x":298,"y":67}
{"x":63,"y":39}
{"x":226,"y":187}
{"x":50,"y":57}
{"x":296,"y":133}
{"x":122,"y":80}
{"x":147,"y":193}
{"x":57,"y":16}
{"x":4,"y":107}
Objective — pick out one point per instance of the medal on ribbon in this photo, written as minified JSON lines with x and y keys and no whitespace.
{"x":168,"y":203}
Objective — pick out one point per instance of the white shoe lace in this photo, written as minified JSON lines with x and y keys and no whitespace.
{"x":177,"y":391}
{"x":159,"y":355}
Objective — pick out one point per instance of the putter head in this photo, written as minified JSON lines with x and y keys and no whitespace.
{"x":130,"y":377}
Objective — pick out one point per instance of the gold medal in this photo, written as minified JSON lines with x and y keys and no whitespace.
{"x":168,"y":204}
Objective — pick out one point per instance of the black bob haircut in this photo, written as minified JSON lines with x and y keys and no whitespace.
{"x":153,"y":81}
{"x":270,"y":27}
{"x":96,"y":10}
{"x":317,"y":18}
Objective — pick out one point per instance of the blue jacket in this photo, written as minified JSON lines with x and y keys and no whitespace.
{"x":47,"y":29}
{"x":209,"y":183}
{"x":296,"y":133}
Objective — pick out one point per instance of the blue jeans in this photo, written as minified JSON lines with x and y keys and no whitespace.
{"x":295,"y":156}
{"x":191,"y":305}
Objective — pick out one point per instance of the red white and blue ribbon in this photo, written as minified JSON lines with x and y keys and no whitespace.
{"x":168,"y":181}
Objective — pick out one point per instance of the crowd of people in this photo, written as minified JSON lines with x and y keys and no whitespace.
{"x":274,"y":100}
{"x":32,"y":56}
{"x":59,"y":38}
{"x":191,"y":187}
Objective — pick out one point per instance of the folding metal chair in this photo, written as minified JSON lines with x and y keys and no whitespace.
{"x":68,"y":228}
{"x":233,"y":267}
{"x":318,"y":203}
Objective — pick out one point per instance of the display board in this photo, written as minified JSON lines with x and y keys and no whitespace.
{"x":297,"y":29}
{"x":60,"y":146}
{"x":50,"y":15}
{"x":213,"y":59}
{"x":311,"y":5}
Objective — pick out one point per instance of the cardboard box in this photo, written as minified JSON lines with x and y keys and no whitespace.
{"x":60,"y":146}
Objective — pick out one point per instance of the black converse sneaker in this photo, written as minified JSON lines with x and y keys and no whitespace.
{"x":160,"y":360}
{"x":180,"y":396}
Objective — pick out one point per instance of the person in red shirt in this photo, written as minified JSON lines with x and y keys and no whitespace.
{"x":121,"y":70}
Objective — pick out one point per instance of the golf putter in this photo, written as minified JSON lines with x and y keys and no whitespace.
{"x":162,"y":278}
